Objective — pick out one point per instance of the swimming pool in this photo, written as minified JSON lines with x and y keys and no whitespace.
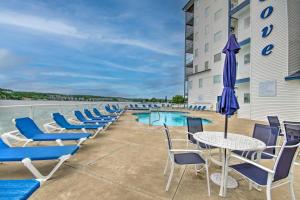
{"x":170,"y":118}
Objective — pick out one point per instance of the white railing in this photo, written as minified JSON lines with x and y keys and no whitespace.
{"x":42,"y":113}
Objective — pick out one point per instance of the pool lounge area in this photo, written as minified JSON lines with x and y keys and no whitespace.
{"x":127,"y":162}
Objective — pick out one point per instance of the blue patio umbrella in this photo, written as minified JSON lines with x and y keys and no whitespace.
{"x":228,"y":103}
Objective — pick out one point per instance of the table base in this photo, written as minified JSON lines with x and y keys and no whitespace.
{"x":231,"y":182}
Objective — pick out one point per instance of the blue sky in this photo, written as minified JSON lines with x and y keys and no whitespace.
{"x":129,"y":48}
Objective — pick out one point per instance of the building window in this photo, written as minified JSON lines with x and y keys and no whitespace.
{"x":196,"y":68}
{"x":246,"y":97}
{"x":218,"y":15}
{"x":217,"y":79}
{"x":197,"y":3}
{"x":247,"y":59}
{"x":206,"y":12}
{"x":217,"y":36}
{"x":200,"y":83}
{"x":246,"y":22}
{"x":190,"y":84}
{"x":196,"y":53}
{"x":206,"y":65}
{"x":206,"y":47}
{"x":196,"y":36}
{"x":206,"y":30}
{"x":217,"y":57}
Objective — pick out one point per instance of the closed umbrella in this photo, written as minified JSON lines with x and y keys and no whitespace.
{"x":228,"y":103}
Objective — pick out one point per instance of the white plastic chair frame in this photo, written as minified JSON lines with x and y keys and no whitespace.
{"x":172,"y":162}
{"x":271,"y":172}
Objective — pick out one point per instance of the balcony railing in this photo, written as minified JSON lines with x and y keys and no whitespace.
{"x":189,"y":32}
{"x":189,"y":47}
{"x":189,"y":18}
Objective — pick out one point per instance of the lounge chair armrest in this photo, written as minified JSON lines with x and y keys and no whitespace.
{"x":186,"y":150}
{"x":12,"y":135}
{"x":51,"y":127}
{"x":273,"y":147}
{"x":253,"y":163}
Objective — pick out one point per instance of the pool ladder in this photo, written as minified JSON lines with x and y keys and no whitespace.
{"x":150,"y":123}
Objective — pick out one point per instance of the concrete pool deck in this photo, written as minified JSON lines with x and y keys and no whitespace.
{"x":127,"y":162}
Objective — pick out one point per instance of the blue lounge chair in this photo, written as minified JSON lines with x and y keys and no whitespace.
{"x":117,"y":109}
{"x":199,"y":108}
{"x":195,"y":108}
{"x":91,"y":116}
{"x":33,"y":133}
{"x":190,"y":107}
{"x":18,"y":189}
{"x":114,"y":110}
{"x":144,"y":106}
{"x":150,"y":106}
{"x":183,"y":157}
{"x":28,"y":154}
{"x":109,"y":110}
{"x":280,"y":174}
{"x":82,"y":119}
{"x":204,"y":108}
{"x":136,"y":106}
{"x":61,"y":121}
{"x":98,"y":113}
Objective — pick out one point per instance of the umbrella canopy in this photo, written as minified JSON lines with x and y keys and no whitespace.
{"x":228,"y":103}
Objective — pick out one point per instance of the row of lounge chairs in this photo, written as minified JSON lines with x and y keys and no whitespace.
{"x":197,"y":108}
{"x":147,"y":106}
{"x":28,"y":132}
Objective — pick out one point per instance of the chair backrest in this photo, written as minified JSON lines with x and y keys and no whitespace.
{"x":204,"y":107}
{"x":190,"y":107}
{"x":195,"y":107}
{"x":88,"y":113}
{"x":273,"y":121}
{"x":60,"y":120}
{"x":199,"y":107}
{"x":27,"y":127}
{"x":114,"y":107}
{"x":292,"y":130}
{"x":286,"y":159}
{"x":3,"y":145}
{"x":131,"y":106}
{"x":167,"y":133}
{"x":266,"y":134}
{"x":194,"y":125}
{"x":79,"y":116}
{"x":96,"y":111}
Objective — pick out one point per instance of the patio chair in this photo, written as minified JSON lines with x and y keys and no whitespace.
{"x":266,"y":134}
{"x":61,"y":121}
{"x":194,"y":125}
{"x":28,"y":154}
{"x":274,"y":122}
{"x":18,"y":189}
{"x":280,"y":174}
{"x":32,"y":133}
{"x":183,"y":157}
{"x":82,"y":119}
{"x":92,"y":117}
{"x":292,"y":130}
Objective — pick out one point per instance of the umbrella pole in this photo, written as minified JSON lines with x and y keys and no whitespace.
{"x":226,"y":126}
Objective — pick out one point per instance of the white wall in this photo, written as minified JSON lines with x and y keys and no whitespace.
{"x":244,"y":111}
{"x":208,"y":94}
{"x":286,"y":103}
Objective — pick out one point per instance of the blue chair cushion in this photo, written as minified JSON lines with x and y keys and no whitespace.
{"x":252,"y":172}
{"x":62,"y":136}
{"x":92,"y":127}
{"x":17,"y":189}
{"x":188,"y":158}
{"x":35,"y":153}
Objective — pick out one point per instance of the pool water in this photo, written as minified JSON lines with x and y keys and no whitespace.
{"x":169,"y":118}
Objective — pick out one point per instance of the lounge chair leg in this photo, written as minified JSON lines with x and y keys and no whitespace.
{"x":82,"y":140}
{"x":166,"y":167}
{"x":96,"y":133}
{"x":27,"y":163}
{"x":59,"y":142}
{"x":268,"y":189}
{"x":292,"y":189}
{"x":170,"y":177}
{"x":207,"y":178}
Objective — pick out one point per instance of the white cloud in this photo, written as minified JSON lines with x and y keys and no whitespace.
{"x":78,"y":75}
{"x":59,"y":27}
{"x":39,"y":24}
{"x":10,"y":60}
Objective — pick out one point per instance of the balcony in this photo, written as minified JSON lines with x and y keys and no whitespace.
{"x":189,"y":33}
{"x":189,"y":19}
{"x":189,"y":47}
{"x":238,"y":6}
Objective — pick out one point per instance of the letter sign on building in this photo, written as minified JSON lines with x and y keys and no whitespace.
{"x":267,"y":30}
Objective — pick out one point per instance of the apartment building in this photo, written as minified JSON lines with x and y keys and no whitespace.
{"x":268,"y":64}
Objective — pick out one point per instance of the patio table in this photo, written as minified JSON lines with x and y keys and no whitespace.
{"x":232,"y":142}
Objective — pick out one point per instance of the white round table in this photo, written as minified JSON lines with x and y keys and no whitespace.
{"x":232,"y":142}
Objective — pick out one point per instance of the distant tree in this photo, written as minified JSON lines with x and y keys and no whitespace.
{"x":178,"y":99}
